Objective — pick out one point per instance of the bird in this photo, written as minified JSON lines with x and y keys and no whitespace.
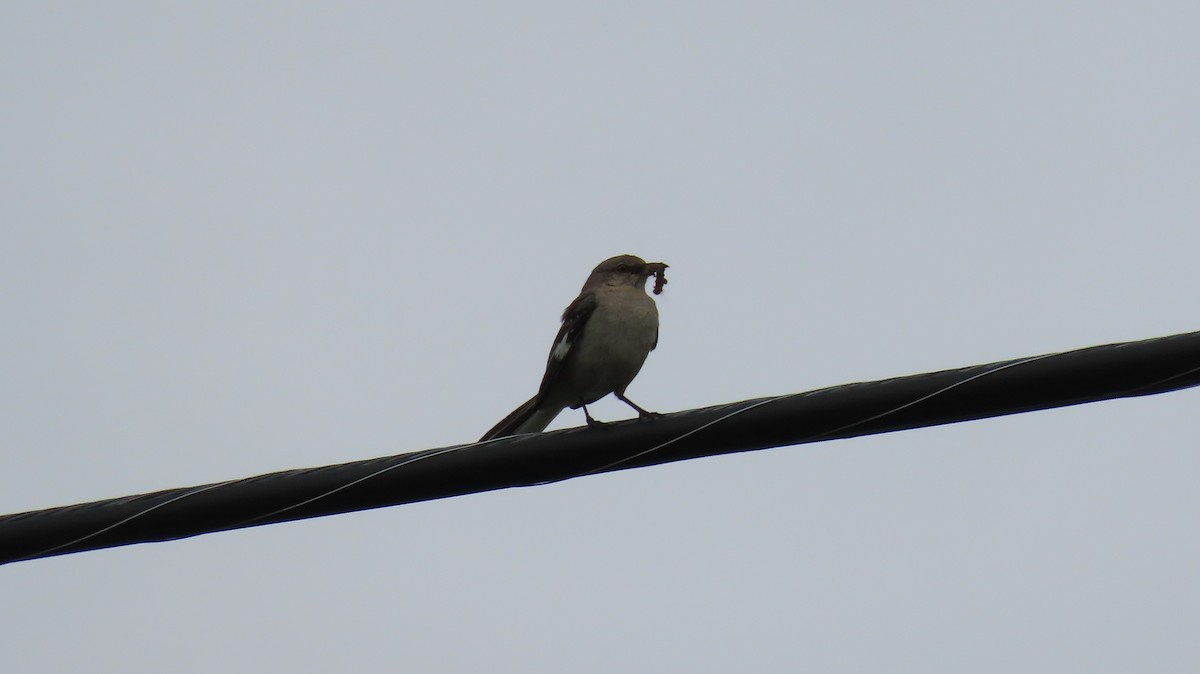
{"x":606,"y":334}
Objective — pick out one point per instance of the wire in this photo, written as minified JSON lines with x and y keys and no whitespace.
{"x":1009,"y":387}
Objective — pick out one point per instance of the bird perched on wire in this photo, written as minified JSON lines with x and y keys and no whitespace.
{"x":606,"y":334}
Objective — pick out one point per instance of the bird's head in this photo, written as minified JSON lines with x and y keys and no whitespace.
{"x":630,"y":270}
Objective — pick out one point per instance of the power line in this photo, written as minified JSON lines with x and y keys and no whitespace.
{"x":1009,"y":387}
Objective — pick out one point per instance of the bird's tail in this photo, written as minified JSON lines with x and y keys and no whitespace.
{"x":527,"y":418}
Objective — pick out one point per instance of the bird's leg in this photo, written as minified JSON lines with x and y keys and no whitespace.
{"x":641,"y":412}
{"x":590,"y":421}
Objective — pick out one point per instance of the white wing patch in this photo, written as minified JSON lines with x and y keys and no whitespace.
{"x":561,"y":347}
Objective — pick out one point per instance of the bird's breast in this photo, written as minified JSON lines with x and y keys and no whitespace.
{"x":614,"y":344}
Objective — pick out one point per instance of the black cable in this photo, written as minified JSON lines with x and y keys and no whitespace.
{"x":1054,"y":380}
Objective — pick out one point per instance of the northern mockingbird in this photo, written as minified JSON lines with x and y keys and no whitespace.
{"x":606,"y":334}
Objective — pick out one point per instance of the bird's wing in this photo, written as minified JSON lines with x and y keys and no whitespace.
{"x":573,"y":320}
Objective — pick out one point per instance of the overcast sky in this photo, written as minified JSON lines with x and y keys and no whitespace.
{"x":245,"y":237}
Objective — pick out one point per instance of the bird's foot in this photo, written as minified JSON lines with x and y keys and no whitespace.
{"x":592,"y":423}
{"x":642,"y":414}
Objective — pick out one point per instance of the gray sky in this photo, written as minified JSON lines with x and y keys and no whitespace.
{"x":238,"y":238}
